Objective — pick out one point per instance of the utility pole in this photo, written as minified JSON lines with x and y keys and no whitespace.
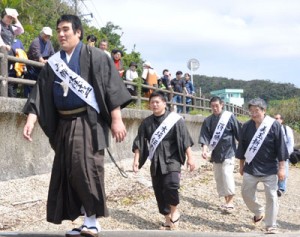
{"x":76,"y":6}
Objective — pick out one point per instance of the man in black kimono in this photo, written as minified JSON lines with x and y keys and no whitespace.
{"x":262,"y":153}
{"x":77,"y":98}
{"x":169,"y":142}
{"x":218,"y":136}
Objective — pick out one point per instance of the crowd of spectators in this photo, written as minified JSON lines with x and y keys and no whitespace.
{"x":41,"y":49}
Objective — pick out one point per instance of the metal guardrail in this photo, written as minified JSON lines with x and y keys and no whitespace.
{"x":198,"y":103}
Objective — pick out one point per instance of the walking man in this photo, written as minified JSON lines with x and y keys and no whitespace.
{"x":77,"y":98}
{"x":262,"y":153}
{"x":169,"y":144}
{"x":218,"y":136}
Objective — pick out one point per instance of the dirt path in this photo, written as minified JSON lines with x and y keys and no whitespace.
{"x":132,"y":204}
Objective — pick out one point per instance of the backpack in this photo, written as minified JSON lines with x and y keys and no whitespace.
{"x":20,"y":68}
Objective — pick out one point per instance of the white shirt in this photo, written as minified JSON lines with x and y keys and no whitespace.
{"x":130,"y":76}
{"x":288,"y":138}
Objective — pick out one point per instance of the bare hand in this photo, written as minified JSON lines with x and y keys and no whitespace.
{"x":28,"y":128}
{"x":241,"y":170}
{"x":135,"y":166}
{"x":191,"y":164}
{"x":281,"y":174}
{"x":204,"y":155}
{"x":118,"y":130}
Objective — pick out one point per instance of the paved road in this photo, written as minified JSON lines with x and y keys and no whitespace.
{"x":153,"y":233}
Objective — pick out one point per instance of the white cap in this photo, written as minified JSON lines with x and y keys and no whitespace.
{"x":47,"y":31}
{"x":147,"y":64}
{"x":11,"y":12}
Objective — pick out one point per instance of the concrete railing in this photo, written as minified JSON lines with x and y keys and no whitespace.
{"x":21,"y":158}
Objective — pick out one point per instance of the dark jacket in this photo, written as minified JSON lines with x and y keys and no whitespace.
{"x":110,"y":93}
{"x":170,"y":153}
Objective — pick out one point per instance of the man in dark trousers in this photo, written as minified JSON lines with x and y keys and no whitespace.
{"x":169,"y":143}
{"x":77,"y":98}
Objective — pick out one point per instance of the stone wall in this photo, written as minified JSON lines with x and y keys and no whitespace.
{"x":21,"y":158}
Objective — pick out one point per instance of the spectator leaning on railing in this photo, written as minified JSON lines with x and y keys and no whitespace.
{"x":10,"y":26}
{"x":40,"y":50}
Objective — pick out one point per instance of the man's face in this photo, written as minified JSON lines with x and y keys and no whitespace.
{"x":278,"y":118}
{"x":166,"y":73}
{"x":216,"y":107}
{"x":157,"y":105}
{"x":256,"y":113}
{"x":103,"y":46}
{"x":179,"y":76}
{"x":66,"y":37}
{"x":46,"y":37}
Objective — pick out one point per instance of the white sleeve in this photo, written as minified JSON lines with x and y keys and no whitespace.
{"x":144,"y":74}
{"x":290,"y":139}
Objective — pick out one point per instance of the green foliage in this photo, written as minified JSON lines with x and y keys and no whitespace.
{"x":35,"y":14}
{"x":289,"y":109}
{"x":264,"y":89}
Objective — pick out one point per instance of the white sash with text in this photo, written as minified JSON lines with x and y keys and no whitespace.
{"x":258,"y":138}
{"x":161,"y":132}
{"x":73,"y":81}
{"x":220,"y":128}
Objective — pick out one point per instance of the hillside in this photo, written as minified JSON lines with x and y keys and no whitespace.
{"x":265,"y":89}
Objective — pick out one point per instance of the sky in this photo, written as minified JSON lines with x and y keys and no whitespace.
{"x":238,"y":39}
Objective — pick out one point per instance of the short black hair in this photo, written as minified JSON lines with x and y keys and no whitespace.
{"x":76,"y":23}
{"x":215,"y":99}
{"x":165,"y":70}
{"x":3,"y":13}
{"x":159,"y":94}
{"x":91,"y":38}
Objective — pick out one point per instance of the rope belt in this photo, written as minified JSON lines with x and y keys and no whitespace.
{"x":73,"y":111}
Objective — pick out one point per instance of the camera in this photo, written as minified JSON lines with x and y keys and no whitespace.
{"x":295,"y":156}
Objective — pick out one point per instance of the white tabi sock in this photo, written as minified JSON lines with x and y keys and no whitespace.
{"x":90,"y":221}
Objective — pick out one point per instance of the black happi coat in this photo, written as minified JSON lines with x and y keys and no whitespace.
{"x":170,"y":153}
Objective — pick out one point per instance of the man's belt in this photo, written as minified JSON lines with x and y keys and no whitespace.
{"x":73,"y":111}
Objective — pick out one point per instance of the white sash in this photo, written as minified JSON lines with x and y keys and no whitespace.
{"x":161,"y":132}
{"x":73,"y":81}
{"x":258,"y":138}
{"x":220,"y":128}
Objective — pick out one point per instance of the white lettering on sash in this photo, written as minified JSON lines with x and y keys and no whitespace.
{"x":220,"y":128}
{"x":258,"y":138}
{"x":73,"y":81}
{"x":161,"y":132}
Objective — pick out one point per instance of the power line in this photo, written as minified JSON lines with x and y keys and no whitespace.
{"x":97,"y":13}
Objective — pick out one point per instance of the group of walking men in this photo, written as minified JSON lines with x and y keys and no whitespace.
{"x":78,"y":97}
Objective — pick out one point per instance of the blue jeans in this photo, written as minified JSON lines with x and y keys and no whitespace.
{"x":178,"y":99}
{"x":282,"y":183}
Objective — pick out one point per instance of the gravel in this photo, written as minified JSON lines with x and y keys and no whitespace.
{"x":133,"y":206}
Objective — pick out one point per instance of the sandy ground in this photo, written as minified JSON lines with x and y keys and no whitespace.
{"x":132,"y":203}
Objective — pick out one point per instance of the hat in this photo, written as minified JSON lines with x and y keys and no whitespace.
{"x":257,"y":102}
{"x":147,"y":64}
{"x":11,"y":12}
{"x":132,"y":64}
{"x":178,"y":73}
{"x":47,"y":30}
